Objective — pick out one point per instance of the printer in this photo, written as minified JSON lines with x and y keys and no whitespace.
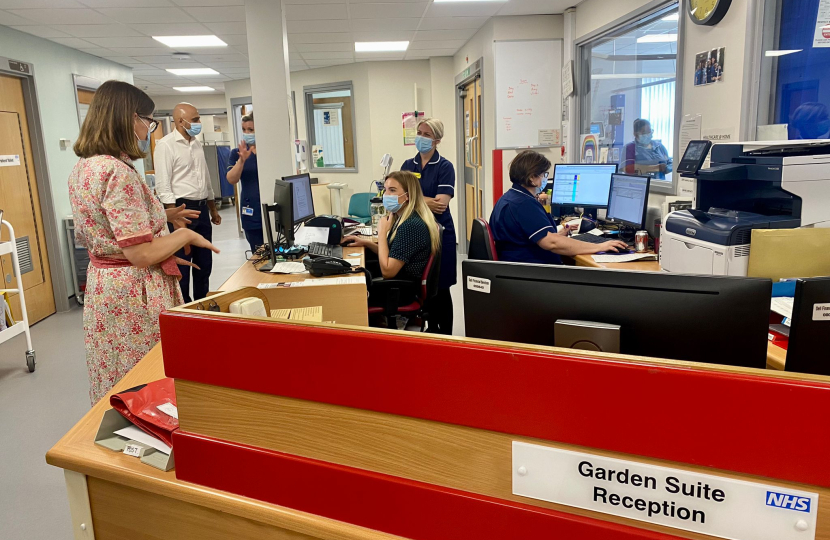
{"x":753,"y":185}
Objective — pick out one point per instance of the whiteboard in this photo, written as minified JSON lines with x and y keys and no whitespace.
{"x":528,"y":91}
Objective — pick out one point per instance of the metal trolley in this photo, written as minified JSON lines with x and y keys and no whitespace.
{"x":22,"y":326}
{"x":78,"y":260}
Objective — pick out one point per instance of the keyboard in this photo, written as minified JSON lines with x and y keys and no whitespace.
{"x":590,"y":238}
{"x":318,"y":249}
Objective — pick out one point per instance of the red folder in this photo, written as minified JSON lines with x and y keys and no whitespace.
{"x":140,"y":405}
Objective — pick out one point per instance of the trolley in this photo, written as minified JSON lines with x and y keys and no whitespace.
{"x":22,"y":326}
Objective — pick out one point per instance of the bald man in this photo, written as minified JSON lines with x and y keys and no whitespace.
{"x":182,"y":178}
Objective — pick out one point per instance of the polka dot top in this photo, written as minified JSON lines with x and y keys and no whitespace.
{"x":412,"y":246}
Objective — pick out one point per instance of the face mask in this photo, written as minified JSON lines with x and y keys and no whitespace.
{"x":423,"y":144}
{"x":542,"y":186}
{"x":144,"y":145}
{"x":391,"y":203}
{"x":249,"y":138}
{"x":644,"y":139}
{"x":194,"y":130}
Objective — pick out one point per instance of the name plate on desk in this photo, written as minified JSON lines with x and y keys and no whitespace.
{"x":690,"y":501}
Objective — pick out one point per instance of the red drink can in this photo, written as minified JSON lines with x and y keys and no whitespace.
{"x":641,"y":241}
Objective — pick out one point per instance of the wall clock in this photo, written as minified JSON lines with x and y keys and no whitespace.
{"x":708,"y":12}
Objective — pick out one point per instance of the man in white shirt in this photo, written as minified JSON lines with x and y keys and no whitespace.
{"x":182,"y":178}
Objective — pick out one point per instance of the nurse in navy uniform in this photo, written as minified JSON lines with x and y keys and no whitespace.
{"x":437,"y":177}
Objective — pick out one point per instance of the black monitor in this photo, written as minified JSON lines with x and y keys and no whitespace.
{"x":628,"y":200}
{"x":303,"y":201}
{"x":582,"y":185}
{"x":284,"y":195}
{"x":807,"y":346}
{"x":714,"y":319}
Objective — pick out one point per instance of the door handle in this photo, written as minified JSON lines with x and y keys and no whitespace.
{"x":473,"y":148}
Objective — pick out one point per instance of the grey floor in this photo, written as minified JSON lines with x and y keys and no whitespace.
{"x":36,"y":409}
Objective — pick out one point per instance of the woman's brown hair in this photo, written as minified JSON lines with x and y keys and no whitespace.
{"x":417,"y":205}
{"x":109,"y":127}
{"x":527,"y":165}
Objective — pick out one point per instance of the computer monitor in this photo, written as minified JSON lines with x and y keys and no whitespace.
{"x":584,"y":185}
{"x":284,"y":196}
{"x":628,"y":201}
{"x":807,"y":346}
{"x":714,"y":319}
{"x":303,"y":201}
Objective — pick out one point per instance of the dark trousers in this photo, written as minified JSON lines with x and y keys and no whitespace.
{"x":201,"y":257}
{"x":255,"y":238}
{"x":440,"y":313}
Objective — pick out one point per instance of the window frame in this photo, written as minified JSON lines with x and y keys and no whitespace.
{"x":627,"y":22}
{"x":308,"y":104}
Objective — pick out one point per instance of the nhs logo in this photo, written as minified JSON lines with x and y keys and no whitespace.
{"x":790,"y":502}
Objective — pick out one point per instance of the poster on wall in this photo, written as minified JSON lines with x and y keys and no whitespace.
{"x":409,"y":121}
{"x":709,"y":66}
{"x":317,"y":155}
{"x":589,"y":149}
{"x":821,"y":38}
{"x":331,"y":117}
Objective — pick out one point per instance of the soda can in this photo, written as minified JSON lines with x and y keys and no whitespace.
{"x":641,"y":241}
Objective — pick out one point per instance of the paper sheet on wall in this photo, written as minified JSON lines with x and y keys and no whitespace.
{"x":550,"y":137}
{"x":821,"y":37}
{"x":689,"y":131}
{"x":568,"y":79}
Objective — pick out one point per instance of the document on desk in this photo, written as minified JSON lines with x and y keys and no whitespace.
{"x":283,"y":314}
{"x":133,"y":433}
{"x":313,"y":314}
{"x":312,"y":282}
{"x":288,"y":268}
{"x":783,"y":306}
{"x":306,"y":235}
{"x":624,"y":258}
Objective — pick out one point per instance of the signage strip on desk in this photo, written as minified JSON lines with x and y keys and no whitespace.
{"x":717,"y":419}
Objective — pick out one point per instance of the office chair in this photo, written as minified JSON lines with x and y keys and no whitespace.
{"x":482,"y":245}
{"x":359,"y":207}
{"x":413,"y":294}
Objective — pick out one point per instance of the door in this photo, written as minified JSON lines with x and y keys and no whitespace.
{"x":470,"y":94}
{"x":345,"y":104}
{"x":21,"y":204}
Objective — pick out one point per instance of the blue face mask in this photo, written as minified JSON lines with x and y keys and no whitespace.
{"x":423,"y":144}
{"x":144,"y":145}
{"x":194,"y":129}
{"x":249,"y":138}
{"x":644,"y":139}
{"x":542,"y":186}
{"x":391,"y":203}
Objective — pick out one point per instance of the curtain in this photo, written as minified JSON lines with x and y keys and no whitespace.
{"x":657,"y":106}
{"x":330,"y":137}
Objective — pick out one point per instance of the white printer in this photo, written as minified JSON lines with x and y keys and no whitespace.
{"x":757,"y":185}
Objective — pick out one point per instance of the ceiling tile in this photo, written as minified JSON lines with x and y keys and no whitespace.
{"x":218,"y":3}
{"x":310,"y":12}
{"x":147,"y":15}
{"x":96,"y":51}
{"x":234,"y":57}
{"x":96,"y":30}
{"x":62,"y":16}
{"x":452,"y":23}
{"x":234,"y":39}
{"x":321,"y":63}
{"x":387,"y":11}
{"x":437,"y":35}
{"x":328,"y":55}
{"x":75,"y":43}
{"x":318,"y":2}
{"x":235,"y":73}
{"x":145,"y":51}
{"x":123,"y":42}
{"x":219,"y":65}
{"x":535,"y":7}
{"x":227,"y":28}
{"x":386,"y":1}
{"x":42,"y":4}
{"x":175,"y":64}
{"x":386,"y":35}
{"x":464,"y":9}
{"x":8,"y":19}
{"x":378,"y":56}
{"x":323,"y":47}
{"x":171,"y":29}
{"x":333,"y":37}
{"x":126,"y":3}
{"x":426,"y":53}
{"x":302,"y":27}
{"x":437,"y":44}
{"x":217,"y":14}
{"x":161,"y":59}
{"x":41,"y":31}
{"x":374,"y":25}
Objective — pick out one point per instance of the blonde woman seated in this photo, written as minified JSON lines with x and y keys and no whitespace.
{"x":407,"y":235}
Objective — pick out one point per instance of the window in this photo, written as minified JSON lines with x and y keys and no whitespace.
{"x":794,"y":99}
{"x":627,"y":96}
{"x":329,"y":111}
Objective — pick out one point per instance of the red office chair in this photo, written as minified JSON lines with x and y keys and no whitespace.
{"x":482,"y":245}
{"x":407,"y":297}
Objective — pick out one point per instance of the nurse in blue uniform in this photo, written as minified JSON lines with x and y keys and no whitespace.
{"x":437,"y":177}
{"x":242,"y":168}
{"x":521,"y":228}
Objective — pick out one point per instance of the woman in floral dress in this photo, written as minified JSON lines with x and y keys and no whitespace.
{"x":132,"y":274}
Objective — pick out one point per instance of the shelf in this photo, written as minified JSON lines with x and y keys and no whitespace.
{"x":15,"y":330}
{"x":6,"y":248}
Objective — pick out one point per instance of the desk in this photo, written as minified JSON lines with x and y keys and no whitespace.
{"x":776,"y":356}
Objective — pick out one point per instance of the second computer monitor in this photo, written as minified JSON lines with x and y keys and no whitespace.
{"x":629,"y":200}
{"x":583,"y":185}
{"x":303,"y":201}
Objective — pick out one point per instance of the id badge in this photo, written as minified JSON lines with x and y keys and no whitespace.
{"x":247,"y":211}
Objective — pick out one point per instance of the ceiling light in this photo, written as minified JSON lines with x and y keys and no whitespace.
{"x":193,"y":88}
{"x":658,"y":38}
{"x":193,"y":71}
{"x":672,"y":17}
{"x":782,"y":53}
{"x":191,"y":41}
{"x":378,"y":46}
{"x":439,"y":1}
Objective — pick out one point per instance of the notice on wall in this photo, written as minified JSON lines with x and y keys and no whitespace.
{"x":677,"y":498}
{"x":689,"y":131}
{"x":409,"y":122}
{"x":331,"y":117}
{"x":550,"y":137}
{"x":821,"y":38}
{"x":568,"y":79}
{"x":10,"y":160}
{"x":603,"y":154}
{"x":317,"y":155}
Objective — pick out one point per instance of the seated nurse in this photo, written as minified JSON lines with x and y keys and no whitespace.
{"x":646,"y":155}
{"x":407,"y":235}
{"x":521,"y":228}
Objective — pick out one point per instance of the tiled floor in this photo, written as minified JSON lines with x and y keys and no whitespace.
{"x":36,"y":409}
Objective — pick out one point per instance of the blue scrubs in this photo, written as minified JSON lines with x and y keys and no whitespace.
{"x":438,"y":178}
{"x":518,"y":222}
{"x":249,"y":198}
{"x":655,"y":154}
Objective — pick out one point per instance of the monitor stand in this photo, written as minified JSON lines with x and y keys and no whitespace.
{"x":587,"y":336}
{"x":267,"y":209}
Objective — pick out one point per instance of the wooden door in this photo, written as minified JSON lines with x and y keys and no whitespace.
{"x":473,"y":178}
{"x":21,"y":204}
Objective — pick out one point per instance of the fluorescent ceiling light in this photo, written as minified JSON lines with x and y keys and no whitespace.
{"x":439,"y":1}
{"x":782,"y":53}
{"x":672,"y":17}
{"x":193,"y":71}
{"x":191,"y":41}
{"x":193,"y":88}
{"x":380,"y":46}
{"x":658,"y":38}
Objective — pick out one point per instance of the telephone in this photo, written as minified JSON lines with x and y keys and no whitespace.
{"x":327,"y":266}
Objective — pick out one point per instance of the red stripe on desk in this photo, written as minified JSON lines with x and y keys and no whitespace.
{"x":498,"y":175}
{"x":377,"y":501}
{"x":736,"y":422}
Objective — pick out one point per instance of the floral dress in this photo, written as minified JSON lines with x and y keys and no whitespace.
{"x":113,"y":208}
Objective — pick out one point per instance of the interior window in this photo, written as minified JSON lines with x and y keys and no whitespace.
{"x":330,"y":126}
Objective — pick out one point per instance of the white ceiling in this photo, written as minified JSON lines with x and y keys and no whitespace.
{"x":320,"y":32}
